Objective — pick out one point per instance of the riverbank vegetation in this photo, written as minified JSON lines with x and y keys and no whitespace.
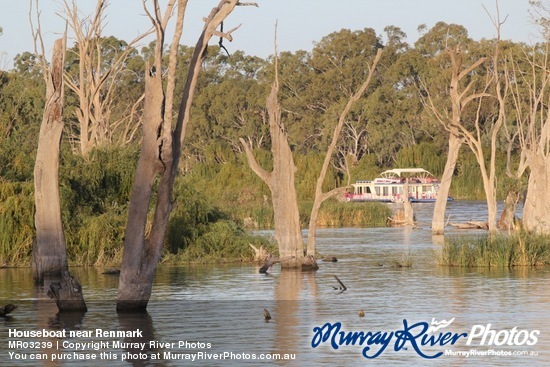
{"x":216,"y":194}
{"x":518,"y":249}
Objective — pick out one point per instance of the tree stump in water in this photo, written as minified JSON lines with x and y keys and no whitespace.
{"x":508,"y":217}
{"x":404,"y":217}
{"x":67,"y":294}
{"x":309,"y":264}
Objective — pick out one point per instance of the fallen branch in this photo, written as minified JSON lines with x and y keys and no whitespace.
{"x":271,"y":260}
{"x":342,"y":285}
{"x":471,"y":225}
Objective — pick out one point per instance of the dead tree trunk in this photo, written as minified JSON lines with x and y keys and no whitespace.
{"x":280,"y":181}
{"x":438,"y":220}
{"x":161,"y":148}
{"x":49,"y":255}
{"x":459,"y":99}
{"x":537,"y":199}
{"x":533,"y":112}
{"x":408,"y":210}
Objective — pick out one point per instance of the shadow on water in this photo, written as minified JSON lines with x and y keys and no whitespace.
{"x":137,"y":345}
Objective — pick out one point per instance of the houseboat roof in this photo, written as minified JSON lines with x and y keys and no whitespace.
{"x":399,"y":172}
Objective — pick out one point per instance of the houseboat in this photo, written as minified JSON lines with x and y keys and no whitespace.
{"x":388,"y":187}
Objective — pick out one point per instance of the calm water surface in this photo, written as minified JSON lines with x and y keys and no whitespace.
{"x":217,"y":309}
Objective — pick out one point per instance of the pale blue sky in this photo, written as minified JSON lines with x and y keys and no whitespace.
{"x":300,"y":22}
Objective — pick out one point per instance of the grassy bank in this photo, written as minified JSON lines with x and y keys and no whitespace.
{"x":495,"y":251}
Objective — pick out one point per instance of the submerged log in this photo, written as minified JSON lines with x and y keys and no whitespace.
{"x":111,"y":272}
{"x":342,"y":285}
{"x":471,"y":225}
{"x":67,"y":294}
{"x":304,"y":263}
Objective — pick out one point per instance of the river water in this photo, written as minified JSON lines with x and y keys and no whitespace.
{"x":207,"y":312}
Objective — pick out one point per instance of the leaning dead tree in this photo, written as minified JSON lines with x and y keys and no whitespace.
{"x":321,"y":196}
{"x":460,"y":96}
{"x":481,"y":134}
{"x":160,"y":153}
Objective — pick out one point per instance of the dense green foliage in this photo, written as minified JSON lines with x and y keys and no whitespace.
{"x":217,"y":193}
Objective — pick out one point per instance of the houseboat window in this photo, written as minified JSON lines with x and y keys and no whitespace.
{"x":394,"y":190}
{"x":385,"y":191}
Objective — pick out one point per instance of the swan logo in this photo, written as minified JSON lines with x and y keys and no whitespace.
{"x":435,"y":326}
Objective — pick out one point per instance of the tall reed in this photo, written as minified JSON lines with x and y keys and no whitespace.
{"x":344,"y":214}
{"x":520,"y":249}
